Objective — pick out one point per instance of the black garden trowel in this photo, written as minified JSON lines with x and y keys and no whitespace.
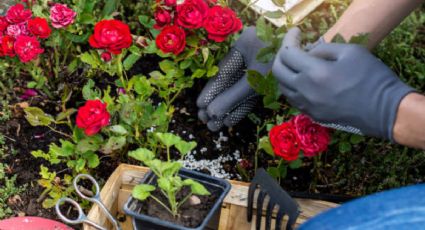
{"x":268,"y":187}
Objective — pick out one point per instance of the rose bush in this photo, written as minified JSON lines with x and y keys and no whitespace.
{"x":221,"y":22}
{"x":172,"y":39}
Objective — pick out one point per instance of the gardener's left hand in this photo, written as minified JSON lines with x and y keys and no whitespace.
{"x":228,"y":98}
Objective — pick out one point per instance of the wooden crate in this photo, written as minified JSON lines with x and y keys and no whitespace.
{"x":233,"y":212}
{"x":295,"y":9}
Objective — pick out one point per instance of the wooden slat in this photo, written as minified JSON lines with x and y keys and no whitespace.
{"x":233,"y":212}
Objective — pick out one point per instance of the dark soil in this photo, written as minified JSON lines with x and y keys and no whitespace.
{"x":189,"y":215}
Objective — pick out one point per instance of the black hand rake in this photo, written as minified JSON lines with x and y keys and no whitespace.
{"x":277,"y":197}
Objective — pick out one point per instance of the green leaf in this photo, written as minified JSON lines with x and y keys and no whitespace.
{"x":344,"y":147}
{"x":169,"y":169}
{"x":283,"y":170}
{"x":63,"y":115}
{"x":168,"y":139}
{"x":280,"y":3}
{"x":77,"y":38}
{"x":89,"y":92}
{"x":165,"y":184}
{"x":92,"y":159}
{"x":196,"y":187}
{"x":113,"y":144}
{"x":356,"y":139}
{"x":142,"y":154}
{"x":274,"y":172}
{"x":212,"y":71}
{"x":185,"y":63}
{"x":118,"y":129}
{"x":167,"y":66}
{"x":89,"y":144}
{"x":199,"y":73}
{"x":295,"y":164}
{"x":142,"y":191}
{"x":265,"y":145}
{"x":67,"y":149}
{"x":80,"y":164}
{"x":264,"y":30}
{"x":142,"y":86}
{"x":185,"y":147}
{"x":266,"y":54}
{"x":146,"y":21}
{"x":205,"y":53}
{"x":274,"y":14}
{"x":110,"y":7}
{"x":91,"y":58}
{"x":36,"y":117}
{"x":130,"y":61}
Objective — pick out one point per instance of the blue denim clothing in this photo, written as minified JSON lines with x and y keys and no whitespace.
{"x":402,"y":208}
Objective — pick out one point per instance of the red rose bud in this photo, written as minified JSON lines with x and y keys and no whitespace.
{"x":92,"y":117}
{"x":284,"y":141}
{"x":27,"y":48}
{"x":162,"y":18}
{"x":18,"y":14}
{"x":191,"y":14}
{"x":28,"y":94}
{"x":221,"y":22}
{"x":170,"y":3}
{"x":8,"y":46}
{"x":313,"y":138}
{"x":39,"y":27}
{"x":62,"y":16}
{"x":112,"y":35}
{"x":172,"y":39}
{"x":106,"y":56}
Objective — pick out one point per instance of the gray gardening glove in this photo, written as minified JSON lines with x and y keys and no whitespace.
{"x":227,"y":98}
{"x":341,"y":84}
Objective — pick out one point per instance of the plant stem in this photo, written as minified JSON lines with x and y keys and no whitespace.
{"x":162,"y":204}
{"x":120,"y":71}
{"x":184,"y":200}
{"x":62,"y":133}
{"x":168,"y":153}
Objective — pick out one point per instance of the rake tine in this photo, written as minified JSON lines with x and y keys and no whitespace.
{"x":251,"y":191}
{"x":279,"y":218}
{"x":260,"y":201}
{"x":269,"y":214}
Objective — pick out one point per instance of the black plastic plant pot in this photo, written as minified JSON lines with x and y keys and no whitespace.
{"x":216,"y":186}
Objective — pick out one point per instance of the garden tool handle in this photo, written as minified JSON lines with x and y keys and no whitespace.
{"x":95,"y":198}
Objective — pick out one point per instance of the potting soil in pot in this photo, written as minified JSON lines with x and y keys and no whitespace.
{"x":190,"y":215}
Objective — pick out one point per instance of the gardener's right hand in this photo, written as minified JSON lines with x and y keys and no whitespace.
{"x":227,"y":98}
{"x":340,"y":84}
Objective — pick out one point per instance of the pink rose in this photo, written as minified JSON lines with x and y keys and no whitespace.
{"x":312,"y":137}
{"x":15,"y":30}
{"x":27,"y":48}
{"x":62,"y":16}
{"x":18,"y":14}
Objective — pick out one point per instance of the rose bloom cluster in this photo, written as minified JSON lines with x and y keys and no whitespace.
{"x":175,"y":21}
{"x":300,"y":133}
{"x":20,"y":32}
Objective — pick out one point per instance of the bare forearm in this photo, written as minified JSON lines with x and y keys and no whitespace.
{"x":409,"y":127}
{"x":374,"y":17}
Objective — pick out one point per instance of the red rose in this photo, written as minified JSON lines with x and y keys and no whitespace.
{"x":313,"y":137}
{"x":162,"y":18}
{"x":284,"y":141}
{"x":221,"y":22}
{"x":39,"y":27}
{"x":8,"y":46}
{"x":112,"y":35}
{"x":170,"y":3}
{"x":3,"y":25}
{"x":106,"y":56}
{"x":191,"y":14}
{"x":92,"y":117}
{"x":61,"y":15}
{"x":18,"y":14}
{"x":27,"y":48}
{"x":172,"y":39}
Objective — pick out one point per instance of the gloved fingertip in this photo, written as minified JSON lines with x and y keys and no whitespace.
{"x":214,"y":125}
{"x":203,"y":116}
{"x":292,"y":38}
